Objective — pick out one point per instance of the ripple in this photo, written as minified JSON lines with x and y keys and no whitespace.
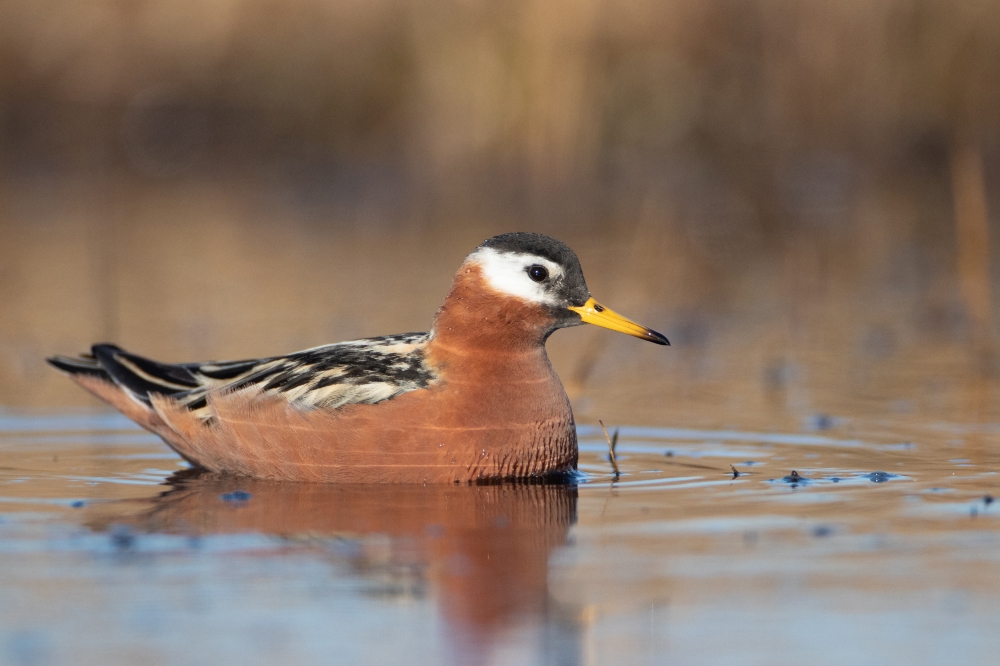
{"x":724,"y":435}
{"x":11,"y":422}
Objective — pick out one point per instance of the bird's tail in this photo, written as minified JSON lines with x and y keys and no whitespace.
{"x":128,"y":383}
{"x":139,"y":377}
{"x":84,"y":364}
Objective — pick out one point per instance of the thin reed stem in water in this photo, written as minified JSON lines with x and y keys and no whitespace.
{"x":612,"y":444}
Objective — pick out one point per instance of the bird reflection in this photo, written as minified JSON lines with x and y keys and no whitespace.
{"x":482,"y":551}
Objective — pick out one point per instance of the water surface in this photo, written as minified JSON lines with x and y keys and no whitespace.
{"x":824,"y":546}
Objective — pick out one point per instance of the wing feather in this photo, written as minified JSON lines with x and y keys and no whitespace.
{"x":329,"y":377}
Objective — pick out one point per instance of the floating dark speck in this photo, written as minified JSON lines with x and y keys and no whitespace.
{"x":236,"y":496}
{"x":794,"y":477}
{"x":988,"y":499}
{"x":122,"y":537}
{"x":77,"y":504}
{"x":880,"y":477}
{"x":823,"y":531}
{"x":821,"y":422}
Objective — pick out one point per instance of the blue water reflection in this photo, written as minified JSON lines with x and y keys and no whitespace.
{"x":112,"y":551}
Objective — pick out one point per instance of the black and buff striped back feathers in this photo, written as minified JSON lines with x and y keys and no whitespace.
{"x":361,"y":371}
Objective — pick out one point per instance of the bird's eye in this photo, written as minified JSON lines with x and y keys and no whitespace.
{"x":537,"y":273}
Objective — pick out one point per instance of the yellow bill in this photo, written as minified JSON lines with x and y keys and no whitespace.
{"x":593,"y":312}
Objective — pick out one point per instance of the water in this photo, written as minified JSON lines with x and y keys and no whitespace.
{"x":878,"y":549}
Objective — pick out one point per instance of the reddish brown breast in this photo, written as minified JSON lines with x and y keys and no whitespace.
{"x":489,"y":350}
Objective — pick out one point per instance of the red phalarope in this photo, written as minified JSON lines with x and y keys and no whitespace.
{"x":475,"y":398}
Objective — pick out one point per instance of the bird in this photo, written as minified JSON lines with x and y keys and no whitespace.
{"x":475,"y":399}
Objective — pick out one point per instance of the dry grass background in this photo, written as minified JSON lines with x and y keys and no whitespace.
{"x":798,"y":194}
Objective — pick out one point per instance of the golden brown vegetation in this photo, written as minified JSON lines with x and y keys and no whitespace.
{"x":799,"y":193}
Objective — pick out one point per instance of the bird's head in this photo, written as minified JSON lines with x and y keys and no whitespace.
{"x":543,"y":272}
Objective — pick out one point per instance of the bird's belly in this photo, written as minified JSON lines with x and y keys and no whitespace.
{"x":450,"y":434}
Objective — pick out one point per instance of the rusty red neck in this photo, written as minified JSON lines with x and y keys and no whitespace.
{"x":477,"y":319}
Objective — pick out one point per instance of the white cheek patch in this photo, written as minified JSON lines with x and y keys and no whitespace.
{"x":507,"y":273}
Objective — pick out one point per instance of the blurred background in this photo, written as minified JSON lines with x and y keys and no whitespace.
{"x":801,"y":196}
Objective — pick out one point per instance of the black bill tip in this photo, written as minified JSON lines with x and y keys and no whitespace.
{"x":658,"y":338}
